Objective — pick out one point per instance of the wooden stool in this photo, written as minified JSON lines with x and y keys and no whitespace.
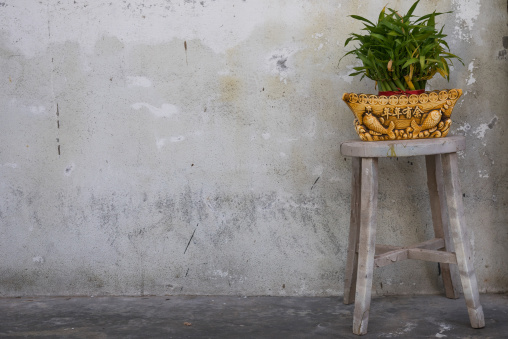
{"x":363,"y":253}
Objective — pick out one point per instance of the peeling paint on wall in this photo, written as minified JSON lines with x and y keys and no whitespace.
{"x":466,"y":12}
{"x":38,"y":259}
{"x":471,"y":80}
{"x":165,"y":111}
{"x":465,"y":127}
{"x":483,"y":128}
{"x":138,"y":81}
{"x":37,"y":109}
{"x":279,"y":63}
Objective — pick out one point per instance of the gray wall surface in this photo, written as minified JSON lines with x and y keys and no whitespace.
{"x":192,"y":147}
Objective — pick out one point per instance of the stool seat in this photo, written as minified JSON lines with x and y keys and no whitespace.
{"x":402,"y":148}
{"x":450,"y":246}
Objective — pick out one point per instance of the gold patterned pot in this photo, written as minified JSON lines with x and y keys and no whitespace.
{"x":415,"y":116}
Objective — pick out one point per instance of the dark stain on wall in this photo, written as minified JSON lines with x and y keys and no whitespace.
{"x":281,"y":62}
{"x":492,"y":122}
{"x":15,"y":280}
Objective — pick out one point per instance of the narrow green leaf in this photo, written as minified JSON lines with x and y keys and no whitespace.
{"x":411,"y":10}
{"x":357,"y":17}
{"x":409,"y":62}
{"x":422,"y":61}
{"x":429,"y":15}
{"x":432,"y":20}
{"x":427,"y":49}
{"x":381,"y":14}
{"x":445,"y":43}
{"x":392,"y":26}
{"x":355,"y":73}
{"x":432,"y":60}
{"x":378,"y":36}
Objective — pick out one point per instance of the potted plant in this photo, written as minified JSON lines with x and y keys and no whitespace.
{"x":400,"y":53}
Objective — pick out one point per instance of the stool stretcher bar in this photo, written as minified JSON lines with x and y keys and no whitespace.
{"x":427,"y":251}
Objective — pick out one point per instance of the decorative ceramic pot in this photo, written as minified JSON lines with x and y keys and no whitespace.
{"x":426,"y":115}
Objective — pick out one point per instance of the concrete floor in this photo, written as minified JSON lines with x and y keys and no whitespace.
{"x":244,"y":317}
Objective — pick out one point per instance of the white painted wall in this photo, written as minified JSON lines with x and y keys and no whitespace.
{"x":192,"y":147}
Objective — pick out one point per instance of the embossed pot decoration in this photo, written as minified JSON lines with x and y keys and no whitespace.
{"x":413,"y":116}
{"x":400,"y":53}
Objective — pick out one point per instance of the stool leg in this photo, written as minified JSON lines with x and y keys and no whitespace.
{"x":354,"y":233}
{"x":367,"y":245}
{"x":461,"y":240}
{"x":440,"y":219}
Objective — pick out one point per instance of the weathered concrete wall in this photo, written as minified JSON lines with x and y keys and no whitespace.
{"x":192,"y":147}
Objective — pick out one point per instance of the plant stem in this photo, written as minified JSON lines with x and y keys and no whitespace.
{"x":393,"y":87}
{"x":410,"y":85}
{"x":399,"y":84}
{"x":416,"y":84}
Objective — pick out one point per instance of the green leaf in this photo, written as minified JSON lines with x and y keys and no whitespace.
{"x":431,"y":14}
{"x":432,"y":20}
{"x":378,"y":36}
{"x":428,"y":48}
{"x":381,"y":14}
{"x":392,"y":26}
{"x":355,"y":73}
{"x":410,"y":12}
{"x":410,"y":61}
{"x":444,"y":43}
{"x":357,"y":17}
{"x":432,"y":60}
{"x":365,"y":60}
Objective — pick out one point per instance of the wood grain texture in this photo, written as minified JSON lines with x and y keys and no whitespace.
{"x":390,"y":257}
{"x":431,"y":255}
{"x":380,"y":248}
{"x":403,"y":148}
{"x":354,"y":233}
{"x":367,"y":244}
{"x":461,"y":240}
{"x":440,"y":220}
{"x":397,"y":254}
